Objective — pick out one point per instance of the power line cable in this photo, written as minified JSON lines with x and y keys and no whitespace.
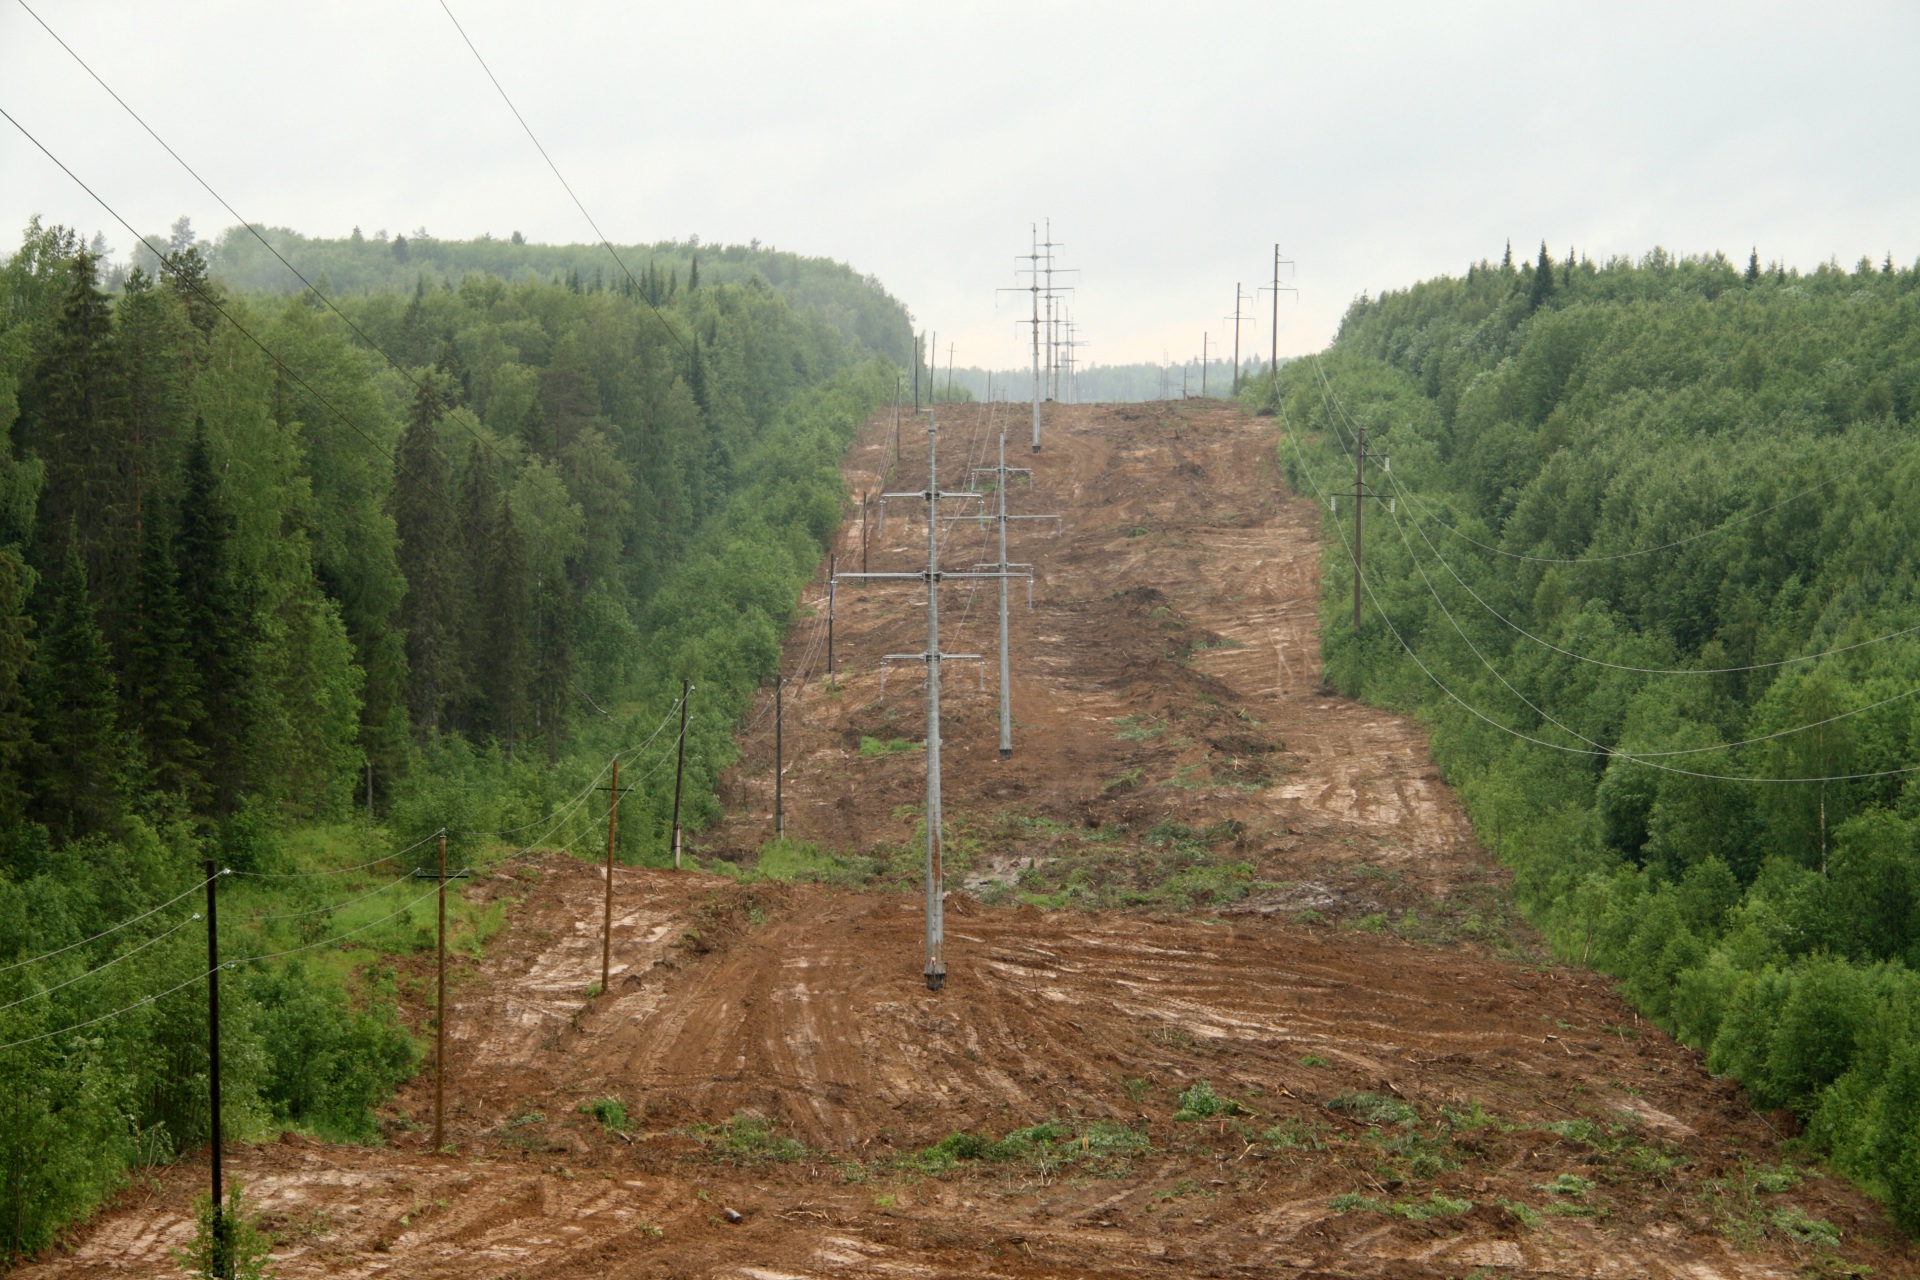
{"x":1665,"y":546}
{"x":638,"y":292}
{"x":48,"y":955}
{"x":1526,"y":737}
{"x":206,"y":297}
{"x":1545,"y":715}
{"x":362,"y":334}
{"x":1331,"y":399}
{"x":125,"y":955}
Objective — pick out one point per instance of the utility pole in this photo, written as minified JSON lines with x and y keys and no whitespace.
{"x":779,"y":753}
{"x":916,"y":374}
{"x":933,"y":366}
{"x":935,"y":969}
{"x":223,"y":1264}
{"x":832,"y":567}
{"x":680,"y":769}
{"x":440,"y":1010}
{"x":1005,"y":571}
{"x":1203,"y":364}
{"x":1276,"y":289}
{"x":949,"y":371}
{"x":606,"y":920}
{"x":1032,"y":289}
{"x":1237,"y":317}
{"x":440,"y":994}
{"x":1361,"y":495}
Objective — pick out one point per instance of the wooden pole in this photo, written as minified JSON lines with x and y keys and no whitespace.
{"x":440,"y":1014}
{"x":213,"y":1062}
{"x":606,"y":929}
{"x":1359,"y":512}
{"x":779,"y":752}
{"x":680,"y":770}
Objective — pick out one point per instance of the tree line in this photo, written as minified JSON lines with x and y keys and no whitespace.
{"x":1683,"y":465}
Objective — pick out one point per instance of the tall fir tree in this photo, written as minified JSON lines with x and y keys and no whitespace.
{"x":427,"y":548}
{"x":501,"y":671}
{"x":72,"y":419}
{"x":162,"y":686}
{"x":190,"y":279}
{"x":1753,"y":265}
{"x":1541,"y":287}
{"x":480,"y":496}
{"x":78,"y":775}
{"x":16,"y":664}
{"x":219,"y":630}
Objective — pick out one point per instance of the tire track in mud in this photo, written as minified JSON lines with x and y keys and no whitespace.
{"x":801,"y":1007}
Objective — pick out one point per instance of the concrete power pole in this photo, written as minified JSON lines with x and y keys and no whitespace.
{"x":935,"y":967}
{"x":1276,"y":289}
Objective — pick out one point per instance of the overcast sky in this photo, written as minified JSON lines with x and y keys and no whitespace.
{"x":1172,"y":145}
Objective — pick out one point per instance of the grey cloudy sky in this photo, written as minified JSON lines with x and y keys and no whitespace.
{"x":1171,"y":145}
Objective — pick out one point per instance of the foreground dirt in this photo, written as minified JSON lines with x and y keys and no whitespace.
{"x":1396,"y":1083}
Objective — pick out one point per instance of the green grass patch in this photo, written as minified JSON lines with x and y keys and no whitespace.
{"x":1374,"y":1108}
{"x":746,"y":1139}
{"x":1200,"y":1102}
{"x":1099,"y":1147}
{"x":1433,"y":1206}
{"x":610,"y":1112}
{"x":871,"y":747}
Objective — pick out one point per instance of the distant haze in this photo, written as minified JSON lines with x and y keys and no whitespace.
{"x":1171,"y":147}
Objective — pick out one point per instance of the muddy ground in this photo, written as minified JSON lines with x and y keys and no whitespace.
{"x":1232,"y":990}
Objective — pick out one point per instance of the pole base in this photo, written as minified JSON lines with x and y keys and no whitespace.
{"x":1036,"y":448}
{"x":1006,"y":753}
{"x":935,"y":981}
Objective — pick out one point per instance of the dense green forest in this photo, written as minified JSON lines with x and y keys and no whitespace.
{"x":1650,"y":528}
{"x":858,"y":306}
{"x":271,"y":598}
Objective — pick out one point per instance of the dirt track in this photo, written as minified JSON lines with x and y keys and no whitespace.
{"x":1492,"y":1114}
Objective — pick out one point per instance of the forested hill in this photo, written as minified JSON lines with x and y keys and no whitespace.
{"x":1655,"y":526}
{"x":858,"y":306}
{"x":291,"y":591}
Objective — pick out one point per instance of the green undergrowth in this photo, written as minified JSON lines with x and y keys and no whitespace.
{"x":1100,"y":1148}
{"x":1171,"y":866}
{"x":746,"y":1139}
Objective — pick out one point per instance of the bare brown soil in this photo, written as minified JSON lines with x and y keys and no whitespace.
{"x":1414,"y":1091}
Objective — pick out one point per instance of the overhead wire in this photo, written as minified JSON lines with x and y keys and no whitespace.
{"x":235,"y":213}
{"x":125,"y":955}
{"x":1441,"y":685}
{"x":578,"y":204}
{"x":188,"y":282}
{"x":60,"y":951}
{"x":1665,"y":546}
{"x":1642,"y":756}
{"x":1401,"y":490}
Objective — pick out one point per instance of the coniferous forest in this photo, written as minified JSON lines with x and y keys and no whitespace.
{"x":289,"y":599}
{"x":1645,"y":563}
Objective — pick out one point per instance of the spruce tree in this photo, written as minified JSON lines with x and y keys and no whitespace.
{"x":693,"y":274}
{"x":1753,"y":265}
{"x":218,"y":637}
{"x":427,"y":548}
{"x":72,"y":418}
{"x":501,"y":672}
{"x":78,"y":780}
{"x":16,"y":663}
{"x":480,"y":497}
{"x":1542,"y":285}
{"x":161,"y":684}
{"x":188,"y":276}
